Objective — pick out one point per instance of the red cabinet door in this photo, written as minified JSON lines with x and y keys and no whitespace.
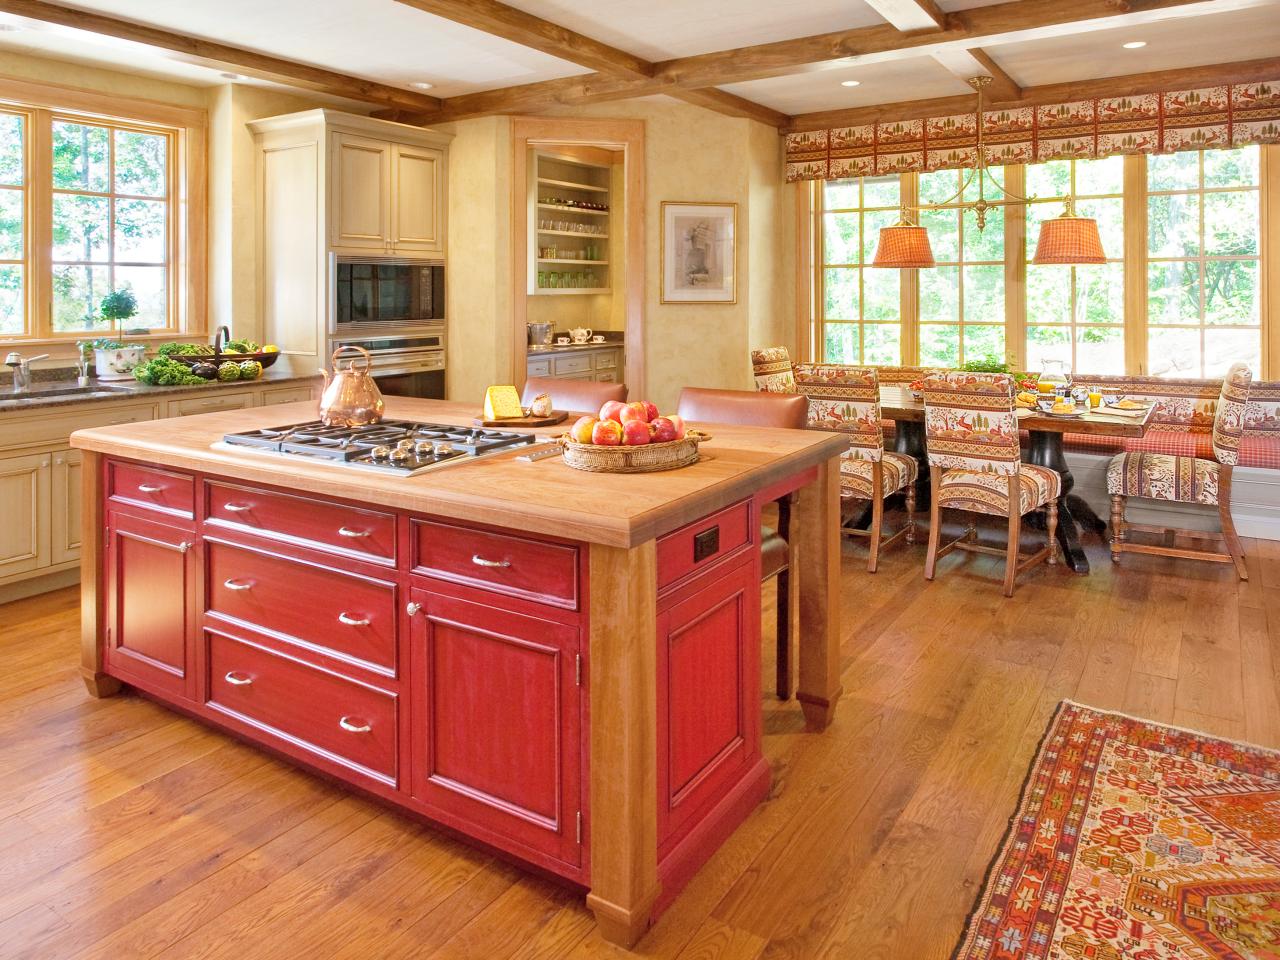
{"x":708,"y":662}
{"x":150,"y":582}
{"x":495,"y":716}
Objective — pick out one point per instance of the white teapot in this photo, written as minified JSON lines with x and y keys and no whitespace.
{"x":580,"y":334}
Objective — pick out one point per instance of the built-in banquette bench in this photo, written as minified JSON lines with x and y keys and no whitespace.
{"x":1181,"y":426}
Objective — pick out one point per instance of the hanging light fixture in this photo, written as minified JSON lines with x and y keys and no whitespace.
{"x":1069,"y":239}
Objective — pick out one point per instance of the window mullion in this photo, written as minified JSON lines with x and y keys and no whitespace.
{"x":1135,"y":264}
{"x":1269,"y":262}
{"x":909,"y":285}
{"x":41,"y":207}
{"x":1015,"y":269}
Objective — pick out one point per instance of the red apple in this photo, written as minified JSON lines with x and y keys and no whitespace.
{"x":606,"y":433}
{"x":664,"y":430}
{"x":635,"y":433}
{"x":612,"y":410}
{"x":581,"y":431}
{"x":635,"y":411}
{"x":678,"y":423}
{"x":651,"y":409}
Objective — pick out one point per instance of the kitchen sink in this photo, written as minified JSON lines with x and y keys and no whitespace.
{"x":36,"y":393}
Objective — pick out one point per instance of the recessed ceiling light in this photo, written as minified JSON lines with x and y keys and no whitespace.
{"x":9,"y":28}
{"x":1134,"y":44}
{"x":230,"y":76}
{"x":422,"y":85}
{"x":850,"y":83}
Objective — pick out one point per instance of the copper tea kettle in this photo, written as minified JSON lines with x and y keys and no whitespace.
{"x":351,"y":398}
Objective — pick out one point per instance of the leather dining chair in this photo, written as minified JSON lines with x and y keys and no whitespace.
{"x":755,"y":409}
{"x":573,"y":396}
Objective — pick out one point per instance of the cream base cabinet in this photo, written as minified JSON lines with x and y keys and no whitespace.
{"x":64,"y":519}
{"x":25,"y":506}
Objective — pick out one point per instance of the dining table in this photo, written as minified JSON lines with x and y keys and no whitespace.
{"x":1044,"y":448}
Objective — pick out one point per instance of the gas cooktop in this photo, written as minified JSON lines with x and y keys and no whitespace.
{"x":401,"y":447}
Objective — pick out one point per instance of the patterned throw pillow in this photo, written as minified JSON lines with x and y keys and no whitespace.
{"x":969,"y":421}
{"x":1228,"y":422}
{"x":773,"y":371}
{"x":846,"y":400}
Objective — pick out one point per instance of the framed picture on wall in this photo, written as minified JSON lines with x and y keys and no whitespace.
{"x":699,"y":252}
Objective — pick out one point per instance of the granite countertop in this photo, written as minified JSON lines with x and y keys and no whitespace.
{"x":45,"y":392}
{"x":535,"y":350}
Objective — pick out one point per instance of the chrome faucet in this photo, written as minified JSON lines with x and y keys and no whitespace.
{"x":21,"y":368}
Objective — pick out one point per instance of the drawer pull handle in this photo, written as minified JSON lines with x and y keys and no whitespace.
{"x":412,"y":609}
{"x":346,"y":724}
{"x":236,"y":507}
{"x":238,"y":680}
{"x":480,"y":561}
{"x":149,"y":488}
{"x":348,"y":532}
{"x":351,"y":622}
{"x":237,"y":584}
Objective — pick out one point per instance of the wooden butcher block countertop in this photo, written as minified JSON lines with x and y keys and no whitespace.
{"x":545,"y":496}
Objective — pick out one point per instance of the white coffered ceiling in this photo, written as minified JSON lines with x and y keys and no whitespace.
{"x":397,"y":45}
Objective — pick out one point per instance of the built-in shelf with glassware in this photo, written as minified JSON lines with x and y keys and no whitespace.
{"x":570,"y":213}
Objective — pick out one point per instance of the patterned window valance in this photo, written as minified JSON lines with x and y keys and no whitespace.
{"x":1212,"y":118}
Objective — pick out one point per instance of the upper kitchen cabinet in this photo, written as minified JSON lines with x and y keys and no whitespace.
{"x":387,"y":196}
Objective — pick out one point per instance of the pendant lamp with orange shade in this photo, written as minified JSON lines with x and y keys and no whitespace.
{"x":903,"y":246}
{"x":1069,"y":239}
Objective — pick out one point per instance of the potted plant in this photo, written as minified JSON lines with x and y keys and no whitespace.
{"x":112,"y":359}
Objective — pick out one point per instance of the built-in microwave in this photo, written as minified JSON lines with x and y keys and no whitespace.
{"x":382,"y":291}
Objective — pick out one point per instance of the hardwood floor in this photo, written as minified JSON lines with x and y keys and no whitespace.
{"x":127,"y":831}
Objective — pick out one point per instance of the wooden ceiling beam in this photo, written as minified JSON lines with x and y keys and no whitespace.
{"x":207,"y":52}
{"x":908,"y":15}
{"x":501,"y":20}
{"x":721,"y":101}
{"x":978,"y":63}
{"x":1131,"y":85}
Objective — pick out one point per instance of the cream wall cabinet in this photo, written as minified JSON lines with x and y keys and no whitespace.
{"x":360,"y":193}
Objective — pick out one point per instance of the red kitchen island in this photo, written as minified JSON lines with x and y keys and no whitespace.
{"x":562,"y":666}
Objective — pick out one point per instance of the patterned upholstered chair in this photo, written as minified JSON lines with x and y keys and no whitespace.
{"x":772,"y":369}
{"x":1158,"y":476}
{"x":975,"y":465}
{"x":847,"y":400}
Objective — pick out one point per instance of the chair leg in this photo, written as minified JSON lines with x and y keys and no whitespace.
{"x":784,"y":635}
{"x":1051,"y":527}
{"x":1015,"y":531}
{"x":935,"y":521}
{"x":877,"y":514}
{"x":1228,"y":525}
{"x":911,"y":512}
{"x":1117,"y":525}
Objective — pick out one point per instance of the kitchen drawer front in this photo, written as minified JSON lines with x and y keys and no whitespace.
{"x":366,"y":534}
{"x":344,"y":721}
{"x":162,"y":490}
{"x":575,"y":363}
{"x":33,"y":427}
{"x":220,"y":401}
{"x":701,"y":544}
{"x":539,"y":368}
{"x":349,"y":617}
{"x":518,"y":567}
{"x":610,"y":377}
{"x":607,"y":360}
{"x":286,"y":395}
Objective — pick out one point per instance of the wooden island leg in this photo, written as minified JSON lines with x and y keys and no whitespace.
{"x":91,"y":546}
{"x":816,"y":526}
{"x":623,"y":771}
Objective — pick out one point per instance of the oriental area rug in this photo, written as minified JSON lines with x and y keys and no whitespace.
{"x":1135,"y":841}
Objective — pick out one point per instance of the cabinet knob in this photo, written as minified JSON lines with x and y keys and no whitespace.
{"x":184,"y":546}
{"x":346,"y":724}
{"x":238,"y":680}
{"x":412,"y":609}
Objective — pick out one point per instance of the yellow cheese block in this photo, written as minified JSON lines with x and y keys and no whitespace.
{"x":502,"y":403}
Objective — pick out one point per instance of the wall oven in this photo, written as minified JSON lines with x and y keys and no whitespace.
{"x":409,"y":364}
{"x":386,"y":292}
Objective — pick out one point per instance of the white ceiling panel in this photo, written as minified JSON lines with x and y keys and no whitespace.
{"x":663,"y":29}
{"x":376,"y":39}
{"x":920,"y":78}
{"x":1247,"y":34}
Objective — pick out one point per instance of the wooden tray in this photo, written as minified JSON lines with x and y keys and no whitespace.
{"x":557,"y":416}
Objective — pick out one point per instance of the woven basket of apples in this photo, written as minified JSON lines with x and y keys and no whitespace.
{"x":630,"y":438}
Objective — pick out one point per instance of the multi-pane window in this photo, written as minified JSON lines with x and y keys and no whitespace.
{"x":1203,"y":299}
{"x":13,"y":224}
{"x":1075,"y":314}
{"x":860,"y":308}
{"x":112,"y":228}
{"x":962,"y":299}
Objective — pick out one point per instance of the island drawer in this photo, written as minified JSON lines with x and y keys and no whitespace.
{"x":328,"y":526}
{"x":149,"y":487}
{"x":219,"y":401}
{"x":699,"y":545}
{"x":341,"y":614}
{"x":344,"y":721}
{"x":516,"y":566}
